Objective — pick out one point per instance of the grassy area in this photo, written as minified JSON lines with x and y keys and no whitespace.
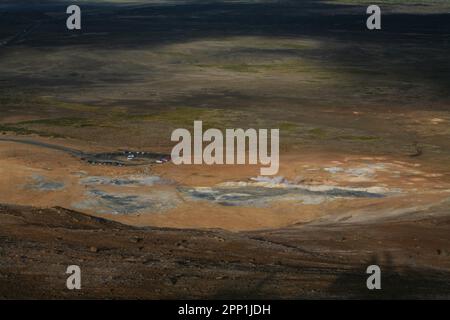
{"x":18,"y":99}
{"x":24,"y":131}
{"x":59,"y":122}
{"x":318,"y":133}
{"x":293,"y":66}
{"x":359,"y":138}
{"x":288,"y":127}
{"x":185,"y":117}
{"x":68,"y":105}
{"x":16,"y":130}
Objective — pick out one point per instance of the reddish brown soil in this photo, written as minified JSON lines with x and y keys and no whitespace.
{"x":307,"y":261}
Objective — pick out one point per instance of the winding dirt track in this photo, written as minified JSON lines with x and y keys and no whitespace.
{"x":101,"y":158}
{"x":73,"y":152}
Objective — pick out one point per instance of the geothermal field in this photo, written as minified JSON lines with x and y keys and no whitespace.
{"x":87,"y":177}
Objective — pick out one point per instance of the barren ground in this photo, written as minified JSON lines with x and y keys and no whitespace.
{"x":365,"y":149}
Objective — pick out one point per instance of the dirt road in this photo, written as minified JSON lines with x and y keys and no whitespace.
{"x":112,"y":158}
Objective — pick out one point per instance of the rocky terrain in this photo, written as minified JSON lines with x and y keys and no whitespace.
{"x":326,"y":260}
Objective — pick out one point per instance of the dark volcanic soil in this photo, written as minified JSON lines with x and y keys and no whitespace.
{"x":309,"y":261}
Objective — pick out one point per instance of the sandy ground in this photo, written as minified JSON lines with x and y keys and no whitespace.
{"x":40,"y":177}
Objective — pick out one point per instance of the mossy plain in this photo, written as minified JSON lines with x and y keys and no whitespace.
{"x":311,"y":69}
